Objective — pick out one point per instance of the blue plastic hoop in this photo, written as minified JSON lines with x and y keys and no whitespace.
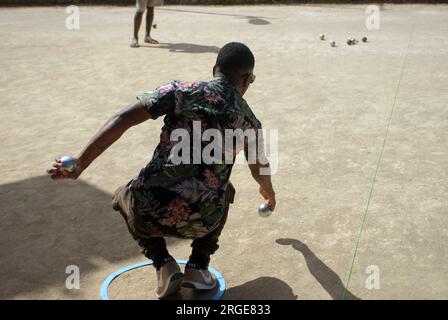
{"x":104,"y":291}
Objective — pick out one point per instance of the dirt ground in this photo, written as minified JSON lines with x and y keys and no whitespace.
{"x":363,"y":161}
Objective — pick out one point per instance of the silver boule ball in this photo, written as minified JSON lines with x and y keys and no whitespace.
{"x":264,"y":210}
{"x":68,"y":163}
{"x":322,"y":36}
{"x":333,"y":43}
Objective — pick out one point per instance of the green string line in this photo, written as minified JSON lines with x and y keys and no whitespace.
{"x":377,"y":166}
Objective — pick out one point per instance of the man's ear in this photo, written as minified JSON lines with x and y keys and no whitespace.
{"x":247,"y":81}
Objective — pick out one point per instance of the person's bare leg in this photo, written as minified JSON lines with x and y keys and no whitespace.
{"x":149,"y":21}
{"x":137,"y":23}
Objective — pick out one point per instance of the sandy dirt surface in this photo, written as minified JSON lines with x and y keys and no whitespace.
{"x":362,"y":175}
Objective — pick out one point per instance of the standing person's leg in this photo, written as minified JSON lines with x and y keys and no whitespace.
{"x":149,"y":21}
{"x":140,"y":9}
{"x":196,"y":271}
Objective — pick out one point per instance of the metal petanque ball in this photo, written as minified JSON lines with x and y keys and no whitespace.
{"x":264,"y":210}
{"x":333,"y":43}
{"x":322,"y":36}
{"x":352,"y":41}
{"x":68,"y":163}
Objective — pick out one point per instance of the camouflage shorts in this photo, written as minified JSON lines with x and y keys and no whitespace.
{"x":123,"y":201}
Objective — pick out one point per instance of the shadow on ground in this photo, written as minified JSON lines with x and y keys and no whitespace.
{"x":327,"y":278}
{"x":47,"y":225}
{"x":264,"y":288}
{"x":184,"y":47}
{"x":256,"y":21}
{"x":250,"y":19}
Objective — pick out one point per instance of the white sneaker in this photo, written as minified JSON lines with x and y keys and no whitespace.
{"x":200,"y":279}
{"x":169,"y":279}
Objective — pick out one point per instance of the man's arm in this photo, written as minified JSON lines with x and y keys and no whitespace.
{"x":266,"y":189}
{"x":264,"y":180}
{"x":112,"y":130}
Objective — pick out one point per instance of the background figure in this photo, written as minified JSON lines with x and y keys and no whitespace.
{"x":141,"y":5}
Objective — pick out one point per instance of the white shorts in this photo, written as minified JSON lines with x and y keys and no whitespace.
{"x":141,"y":5}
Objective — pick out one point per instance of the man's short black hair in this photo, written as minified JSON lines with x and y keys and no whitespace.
{"x":235,"y":56}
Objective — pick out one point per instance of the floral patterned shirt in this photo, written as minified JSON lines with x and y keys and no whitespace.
{"x":187,"y":200}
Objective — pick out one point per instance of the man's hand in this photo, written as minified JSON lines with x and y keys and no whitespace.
{"x":58,"y":173}
{"x":269,"y":195}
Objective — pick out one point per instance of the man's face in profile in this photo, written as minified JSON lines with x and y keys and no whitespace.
{"x":248,"y":78}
